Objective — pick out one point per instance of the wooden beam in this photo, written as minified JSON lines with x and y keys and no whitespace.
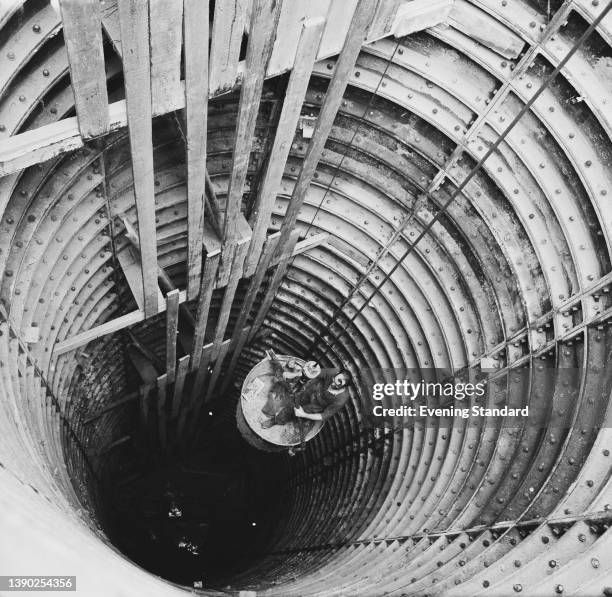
{"x":166,"y":25}
{"x":110,"y":22}
{"x":239,"y":339}
{"x":206,"y":289}
{"x":214,"y":377}
{"x":49,"y":141}
{"x":355,"y":37}
{"x":277,"y":278}
{"x":134,"y":20}
{"x":310,"y":38}
{"x":109,"y":327}
{"x":172,"y":313}
{"x":228,"y":29}
{"x":179,"y":385}
{"x":196,"y":109}
{"x":137,"y":316}
{"x":83,"y":38}
{"x":261,"y":41}
{"x":129,"y":260}
{"x":162,"y":387}
{"x":143,"y":365}
{"x":229,"y":294}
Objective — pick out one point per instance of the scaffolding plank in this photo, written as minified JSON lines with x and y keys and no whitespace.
{"x":134,"y":21}
{"x":83,"y":37}
{"x":259,"y":48}
{"x":228,"y":29}
{"x":310,"y":37}
{"x":207,"y":286}
{"x":166,"y":25}
{"x":172,"y":313}
{"x":196,"y":113}
{"x":335,"y":91}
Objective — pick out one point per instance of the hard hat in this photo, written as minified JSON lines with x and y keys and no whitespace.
{"x":340,"y":380}
{"x":292,"y":369}
{"x":312,"y":369}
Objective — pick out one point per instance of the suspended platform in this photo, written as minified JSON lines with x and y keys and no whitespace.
{"x":255,"y":391}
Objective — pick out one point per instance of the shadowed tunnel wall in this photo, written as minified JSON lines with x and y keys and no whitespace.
{"x":514,"y":277}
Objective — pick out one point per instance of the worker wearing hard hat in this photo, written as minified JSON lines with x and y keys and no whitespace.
{"x":322,"y":397}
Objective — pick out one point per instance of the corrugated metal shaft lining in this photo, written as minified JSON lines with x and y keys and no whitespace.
{"x":516,"y":272}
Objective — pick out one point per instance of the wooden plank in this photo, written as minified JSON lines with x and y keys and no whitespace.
{"x":238,"y":339}
{"x":310,"y":37}
{"x":110,"y":22}
{"x":197,"y":389}
{"x":335,"y":91}
{"x":129,"y":260}
{"x":277,"y":278}
{"x":196,"y":114}
{"x":206,"y":289}
{"x":166,"y":25}
{"x":81,"y":21}
{"x":179,"y":385}
{"x":214,"y":377}
{"x":104,"y":329}
{"x":134,"y":21}
{"x":162,"y":386}
{"x":229,"y":294}
{"x":172,"y":313}
{"x":259,"y":48}
{"x":228,"y":29}
{"x":144,"y":367}
{"x":49,"y":141}
{"x":134,"y":317}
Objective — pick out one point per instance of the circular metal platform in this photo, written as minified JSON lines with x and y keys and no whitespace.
{"x":255,"y":391}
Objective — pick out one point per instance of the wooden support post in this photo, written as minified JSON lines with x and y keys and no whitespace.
{"x":239,"y":338}
{"x":206,"y":289}
{"x":261,"y":41}
{"x":215,"y":374}
{"x":171,"y":332}
{"x":179,"y":385}
{"x":277,"y":278}
{"x":134,"y":20}
{"x":310,"y":38}
{"x":162,"y":386}
{"x":83,"y":38}
{"x":166,"y":24}
{"x":228,"y":29}
{"x":196,"y":109}
{"x":200,"y":379}
{"x":228,"y":296}
{"x":130,"y":262}
{"x":355,"y":37}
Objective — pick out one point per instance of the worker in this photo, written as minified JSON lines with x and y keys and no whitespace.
{"x":322,"y":397}
{"x":287,"y":383}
